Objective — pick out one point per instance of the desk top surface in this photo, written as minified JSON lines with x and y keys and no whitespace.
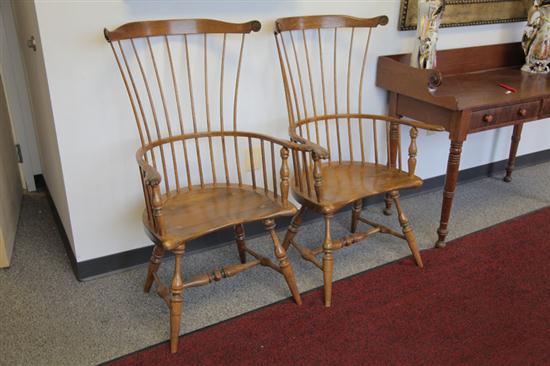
{"x":468,"y":78}
{"x":479,"y":89}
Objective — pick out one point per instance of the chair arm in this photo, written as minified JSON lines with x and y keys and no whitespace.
{"x":151,"y":176}
{"x":297,"y":143}
{"x":411,"y":123}
{"x":285,"y":147}
{"x":152,"y":179}
{"x":307,"y":145}
{"x":300,"y":144}
{"x":318,"y":153}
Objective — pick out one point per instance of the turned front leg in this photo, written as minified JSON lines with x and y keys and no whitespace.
{"x":284,"y":264}
{"x":328,"y":262}
{"x":453,"y":165}
{"x":516,"y":137}
{"x":241,"y":245}
{"x":154,"y":263}
{"x":407,"y":229}
{"x":293,"y":228}
{"x":176,"y":300}
{"x":355,"y":214}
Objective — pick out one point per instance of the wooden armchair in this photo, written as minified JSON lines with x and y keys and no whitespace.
{"x":323,"y":63}
{"x":178,"y":73}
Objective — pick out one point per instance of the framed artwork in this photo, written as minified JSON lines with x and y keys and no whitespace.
{"x":460,"y":13}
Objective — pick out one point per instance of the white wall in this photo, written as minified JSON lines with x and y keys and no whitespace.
{"x":51,"y":150}
{"x":95,"y":127}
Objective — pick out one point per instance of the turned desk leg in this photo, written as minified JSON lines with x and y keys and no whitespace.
{"x":516,"y":137}
{"x":453,"y":165}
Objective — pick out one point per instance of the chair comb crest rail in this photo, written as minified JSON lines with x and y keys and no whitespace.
{"x":327,"y":21}
{"x":152,"y":28}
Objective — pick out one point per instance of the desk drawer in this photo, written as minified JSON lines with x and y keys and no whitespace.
{"x":489,"y":118}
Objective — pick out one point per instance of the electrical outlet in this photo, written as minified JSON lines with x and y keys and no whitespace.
{"x":256,"y":155}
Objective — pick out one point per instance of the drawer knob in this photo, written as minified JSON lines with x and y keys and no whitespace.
{"x":488,"y":118}
{"x":522,"y":112}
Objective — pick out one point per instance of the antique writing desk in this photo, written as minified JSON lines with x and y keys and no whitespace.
{"x":463,"y":95}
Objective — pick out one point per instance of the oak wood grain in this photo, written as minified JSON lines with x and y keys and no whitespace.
{"x":350,"y":181}
{"x":349,"y":155}
{"x":191,"y":214}
{"x":158,"y":77}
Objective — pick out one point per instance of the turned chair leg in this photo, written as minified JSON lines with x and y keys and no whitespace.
{"x":388,"y":201}
{"x":355,"y":214}
{"x":241,"y":246}
{"x":328,"y":262}
{"x":293,"y":228}
{"x":154,"y":263}
{"x":176,"y":300}
{"x":284,"y":263}
{"x":407,"y":230}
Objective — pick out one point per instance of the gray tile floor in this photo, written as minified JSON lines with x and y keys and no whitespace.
{"x":47,"y":317}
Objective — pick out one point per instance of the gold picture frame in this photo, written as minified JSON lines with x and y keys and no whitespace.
{"x":459,"y":13}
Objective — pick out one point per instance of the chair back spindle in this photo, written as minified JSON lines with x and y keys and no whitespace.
{"x":323,"y":63}
{"x":182,"y":78}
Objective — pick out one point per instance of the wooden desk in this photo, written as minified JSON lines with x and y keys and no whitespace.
{"x":463,"y":96}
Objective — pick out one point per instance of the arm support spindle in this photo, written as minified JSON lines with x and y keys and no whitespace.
{"x":284,"y":175}
{"x":412,"y":151}
{"x":317,"y":177}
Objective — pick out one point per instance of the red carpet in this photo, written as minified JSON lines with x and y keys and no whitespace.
{"x":484,"y":300}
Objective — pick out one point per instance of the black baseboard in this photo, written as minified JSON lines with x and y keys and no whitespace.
{"x":40,"y":183}
{"x":41,"y":186}
{"x":113,"y":263}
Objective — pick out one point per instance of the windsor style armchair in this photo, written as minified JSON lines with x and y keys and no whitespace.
{"x":198,"y":178}
{"x":323,"y":64}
